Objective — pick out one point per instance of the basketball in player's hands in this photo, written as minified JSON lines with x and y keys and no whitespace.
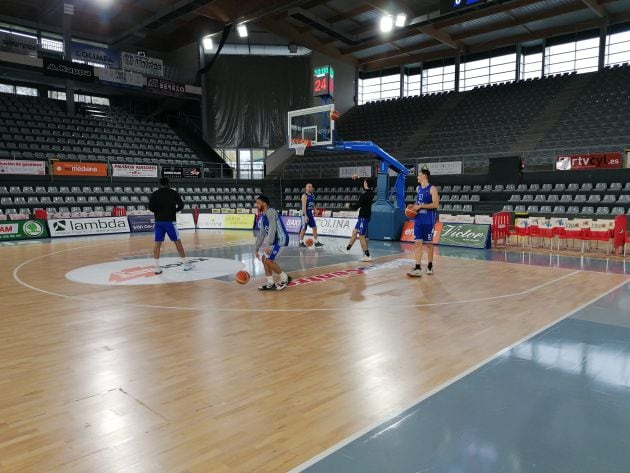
{"x":410,"y":212}
{"x":309,"y":242}
{"x":242,"y":277}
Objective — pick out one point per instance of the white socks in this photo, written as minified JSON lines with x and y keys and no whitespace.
{"x":284,"y":277}
{"x":157,"y":263}
{"x":270,"y":281}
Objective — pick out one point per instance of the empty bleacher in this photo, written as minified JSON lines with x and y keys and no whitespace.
{"x":35,"y":128}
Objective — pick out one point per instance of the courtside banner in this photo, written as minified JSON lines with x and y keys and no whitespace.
{"x":465,"y":235}
{"x":134,"y":170}
{"x":87,"y":226}
{"x":31,"y":168}
{"x":141,"y":223}
{"x":574,"y":162}
{"x":68,"y":70}
{"x":23,"y":229}
{"x":292,"y":224}
{"x":62,"y":168}
{"x":185,"y":221}
{"x":226,"y":221}
{"x":333,"y":226}
{"x":181,"y":172}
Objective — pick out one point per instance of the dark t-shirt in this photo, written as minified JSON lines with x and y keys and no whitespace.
{"x":364,"y":205}
{"x":165,"y":203}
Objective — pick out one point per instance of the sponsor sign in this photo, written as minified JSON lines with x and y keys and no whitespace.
{"x":185,"y":221}
{"x":134,"y":170}
{"x":18,"y":43}
{"x":483,"y":219}
{"x":292,"y":224}
{"x":330,"y":226}
{"x":457,"y":218}
{"x":142,"y":64}
{"x":141,"y":223}
{"x":135,"y":272}
{"x":87,"y":226}
{"x":165,"y":87}
{"x":226,"y":221}
{"x":454,"y":234}
{"x":62,"y":168}
{"x":181,"y":172}
{"x":120,"y":77}
{"x":22,"y":229}
{"x":360,"y":171}
{"x":32,"y":168}
{"x":573,"y":162}
{"x":442,"y":168}
{"x":68,"y":70}
{"x":85,"y":52}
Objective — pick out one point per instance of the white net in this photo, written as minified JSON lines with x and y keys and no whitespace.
{"x":300,"y":148}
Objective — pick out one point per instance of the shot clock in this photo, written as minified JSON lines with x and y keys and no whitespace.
{"x":323,"y":81}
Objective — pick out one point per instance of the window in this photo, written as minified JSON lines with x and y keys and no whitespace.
{"x":56,"y":95}
{"x":412,"y":80}
{"x":487,"y":70}
{"x":580,"y":56}
{"x":618,"y":48}
{"x":258,"y":164}
{"x":19,"y":90}
{"x":438,"y":79}
{"x":7,"y":89}
{"x":379,"y":88}
{"x":244,"y":163}
{"x":531,"y":65}
{"x":52,"y":44}
{"x":503,"y":68}
{"x":59,"y":95}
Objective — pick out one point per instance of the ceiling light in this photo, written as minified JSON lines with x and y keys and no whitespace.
{"x":206,"y":43}
{"x":242,"y":30}
{"x":401,"y":19}
{"x":387,"y":23}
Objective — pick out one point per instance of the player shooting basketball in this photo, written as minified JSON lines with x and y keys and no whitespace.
{"x":364,"y":206}
{"x":272,"y":238}
{"x":308,"y":219}
{"x":427,"y":202}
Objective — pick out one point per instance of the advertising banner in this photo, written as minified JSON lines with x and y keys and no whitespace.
{"x":85,"y":52}
{"x":87,"y":226}
{"x":17,"y":43}
{"x":23,"y":229}
{"x":31,"y":168}
{"x":442,"y":168}
{"x":573,"y":162}
{"x":68,"y":70}
{"x":185,"y":221}
{"x":120,"y":77}
{"x":181,"y":172}
{"x":141,"y":223}
{"x":134,"y":170}
{"x":360,"y":171}
{"x":226,"y":221}
{"x":454,"y":234}
{"x":292,"y":224}
{"x":62,"y":168}
{"x":165,"y":87}
{"x":142,"y":64}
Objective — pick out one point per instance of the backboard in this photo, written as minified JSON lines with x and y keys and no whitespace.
{"x":311,"y":126}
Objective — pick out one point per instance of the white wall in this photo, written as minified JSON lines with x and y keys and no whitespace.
{"x":344,"y":81}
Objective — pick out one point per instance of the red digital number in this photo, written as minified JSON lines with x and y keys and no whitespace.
{"x":320,"y":84}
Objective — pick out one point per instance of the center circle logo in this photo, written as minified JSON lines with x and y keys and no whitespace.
{"x":33,"y":229}
{"x":137,"y":272}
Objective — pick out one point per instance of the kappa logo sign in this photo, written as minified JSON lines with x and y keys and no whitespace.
{"x":136,"y":272}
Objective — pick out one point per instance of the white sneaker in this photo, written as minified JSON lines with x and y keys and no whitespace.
{"x":416,"y":273}
{"x":429,"y":271}
{"x":187,"y":266}
{"x":157,"y":270}
{"x":366,"y":258}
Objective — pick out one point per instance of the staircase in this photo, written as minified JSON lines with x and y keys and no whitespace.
{"x":413,"y":145}
{"x":550,"y":115}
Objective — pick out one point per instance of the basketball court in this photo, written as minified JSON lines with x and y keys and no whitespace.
{"x":109,"y":367}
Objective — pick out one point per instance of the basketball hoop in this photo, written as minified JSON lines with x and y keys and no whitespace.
{"x":300,"y":145}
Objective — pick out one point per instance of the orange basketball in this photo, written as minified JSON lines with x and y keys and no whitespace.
{"x":410,"y":213}
{"x":334,"y":115}
{"x":309,"y":242}
{"x":242,"y":277}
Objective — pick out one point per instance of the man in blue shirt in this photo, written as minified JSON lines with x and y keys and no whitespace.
{"x":308,"y":218}
{"x":272,"y":238}
{"x":427,"y":202}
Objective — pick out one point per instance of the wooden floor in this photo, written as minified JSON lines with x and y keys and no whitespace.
{"x":213,"y":377}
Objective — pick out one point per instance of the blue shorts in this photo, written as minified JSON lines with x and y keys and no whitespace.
{"x":166,"y":228}
{"x":275,"y":251}
{"x":308,"y":221}
{"x":423,"y":232}
{"x":362,"y":226}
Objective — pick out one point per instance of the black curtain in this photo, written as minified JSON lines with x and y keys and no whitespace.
{"x":249,"y":97}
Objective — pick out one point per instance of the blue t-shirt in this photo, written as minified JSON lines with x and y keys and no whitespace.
{"x":425,"y":216}
{"x":310,"y":203}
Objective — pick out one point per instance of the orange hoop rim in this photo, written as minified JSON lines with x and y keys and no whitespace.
{"x":301,"y":141}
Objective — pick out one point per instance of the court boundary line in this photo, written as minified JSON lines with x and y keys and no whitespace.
{"x":346,"y":441}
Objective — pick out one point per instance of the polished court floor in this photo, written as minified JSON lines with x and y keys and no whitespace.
{"x":501,"y":361}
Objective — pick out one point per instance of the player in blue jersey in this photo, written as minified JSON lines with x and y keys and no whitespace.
{"x":308,"y":219}
{"x":427,"y":202}
{"x":272,"y":238}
